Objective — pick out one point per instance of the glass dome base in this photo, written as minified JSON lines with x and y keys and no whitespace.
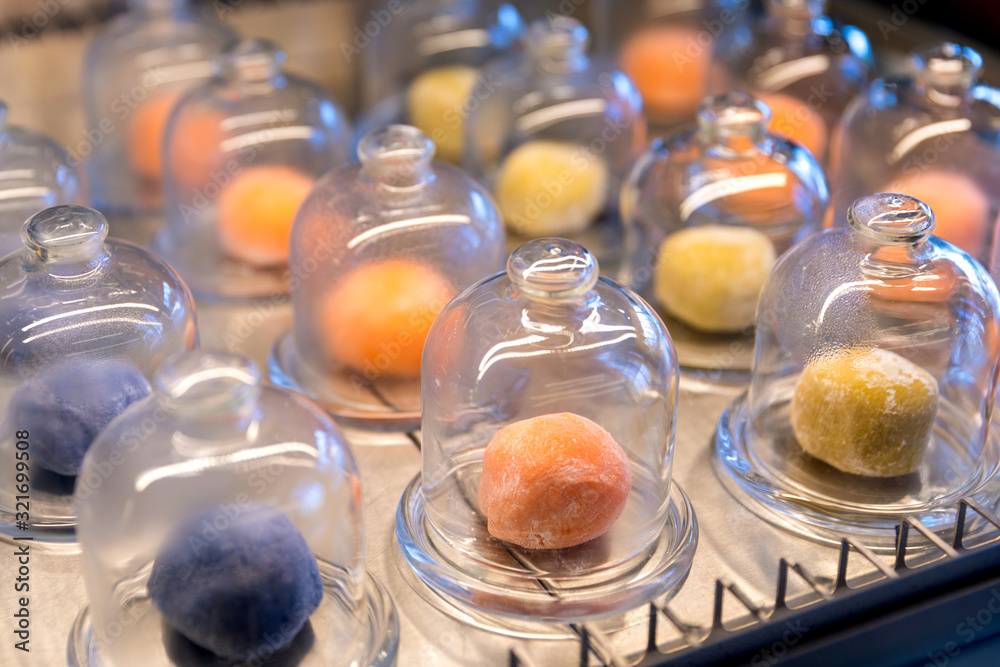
{"x":476,"y":587}
{"x":214,"y":278}
{"x":711,"y":359}
{"x":352,"y":400}
{"x":375,"y":645}
{"x":826,"y":518}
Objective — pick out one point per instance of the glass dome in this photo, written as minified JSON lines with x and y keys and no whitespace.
{"x":933,"y":135}
{"x":421,"y":64}
{"x":220,"y":522}
{"x":84,"y":322}
{"x":381,"y":247}
{"x":549,"y":408}
{"x":35,"y":173}
{"x":804,"y":66}
{"x":707,"y":211}
{"x":667,"y":48}
{"x":873,"y":381}
{"x":243,"y":151}
{"x":554,"y":136}
{"x":135,"y":71}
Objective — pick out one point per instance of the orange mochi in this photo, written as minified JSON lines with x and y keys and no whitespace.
{"x":379,"y":315}
{"x":792,"y":118}
{"x":145,"y":134}
{"x":195,"y":147}
{"x":961,"y":209}
{"x":669,"y":65}
{"x":256,"y":212}
{"x":553,"y":481}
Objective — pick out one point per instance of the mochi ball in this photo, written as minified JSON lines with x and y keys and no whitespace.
{"x":553,"y":481}
{"x":866,"y":411}
{"x":550,"y":188}
{"x":241,"y":589}
{"x":710,"y":277}
{"x":669,"y":65}
{"x":65,"y":407}
{"x":436,"y":101}
{"x":256,"y":213}
{"x":377,"y":318}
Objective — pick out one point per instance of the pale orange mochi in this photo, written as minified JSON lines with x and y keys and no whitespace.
{"x":379,"y":315}
{"x":792,"y":118}
{"x":553,"y":481}
{"x":669,"y":66}
{"x":195,"y":147}
{"x":256,"y":212}
{"x":961,"y":209}
{"x":145,"y":134}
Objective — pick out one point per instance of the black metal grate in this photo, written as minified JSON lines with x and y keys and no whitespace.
{"x":836,"y":604}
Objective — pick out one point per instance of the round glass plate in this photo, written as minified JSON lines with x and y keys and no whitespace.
{"x":786,"y":487}
{"x":383,"y":404}
{"x":329,"y":638}
{"x":502,"y":588}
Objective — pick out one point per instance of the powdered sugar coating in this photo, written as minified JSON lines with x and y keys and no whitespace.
{"x":865,"y":411}
{"x":553,"y":481}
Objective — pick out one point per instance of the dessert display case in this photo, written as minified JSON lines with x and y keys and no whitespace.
{"x":873,"y":382}
{"x":755,"y":594}
{"x":805,"y":67}
{"x":668,"y":47}
{"x":424,"y":63}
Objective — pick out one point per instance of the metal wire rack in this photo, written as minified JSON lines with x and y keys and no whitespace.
{"x":898,"y":584}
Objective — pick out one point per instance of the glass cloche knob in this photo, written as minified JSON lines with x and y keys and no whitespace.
{"x":553,"y":268}
{"x":254,"y":61}
{"x":731,"y":117}
{"x":947,"y":66}
{"x":65,"y":233}
{"x":892,"y":219}
{"x":397,"y":156}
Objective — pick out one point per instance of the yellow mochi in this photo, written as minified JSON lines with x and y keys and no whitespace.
{"x":710,"y":277}
{"x":435,"y":102}
{"x":550,"y":188}
{"x":867,"y":412}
